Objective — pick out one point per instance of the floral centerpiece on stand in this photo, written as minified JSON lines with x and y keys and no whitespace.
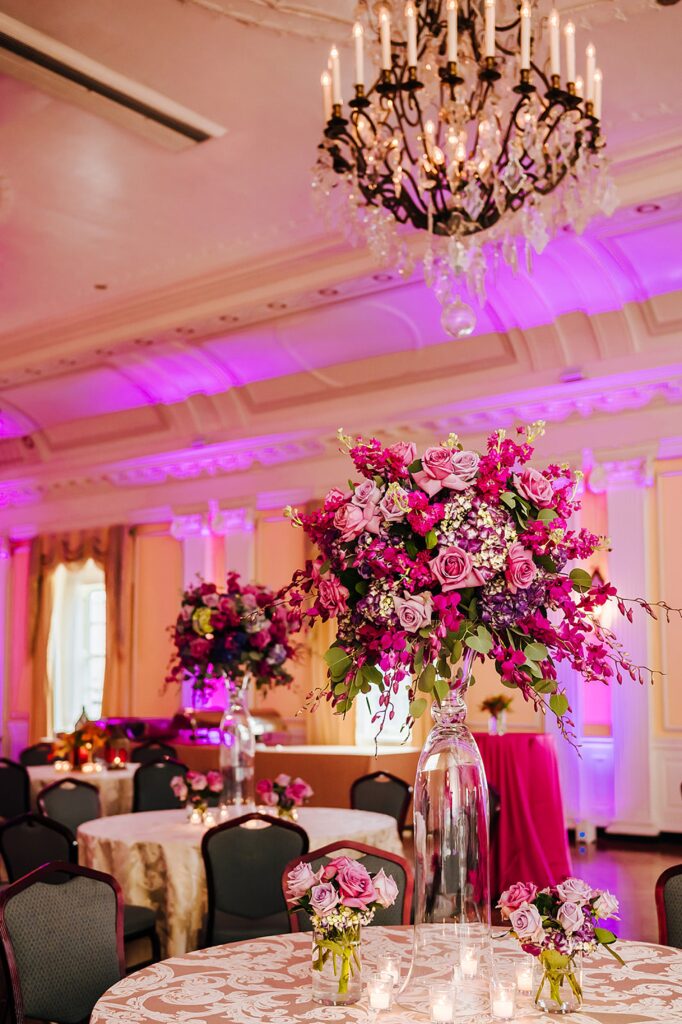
{"x":339,"y":898}
{"x":559,"y":925}
{"x":196,"y":789}
{"x":497,"y":708}
{"x":285,"y":794}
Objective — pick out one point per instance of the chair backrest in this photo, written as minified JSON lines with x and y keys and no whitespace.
{"x":15,"y":789}
{"x":374,"y":860}
{"x":153,"y":750}
{"x":244,"y":859}
{"x":70,"y":802}
{"x":669,"y":907}
{"x":30,"y":840}
{"x":151,"y":786}
{"x":384,"y":793}
{"x":39,"y":753}
{"x":62,"y":942}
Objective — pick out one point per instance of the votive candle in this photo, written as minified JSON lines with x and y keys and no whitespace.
{"x":502,"y":998}
{"x":524,"y":977}
{"x":380,"y":991}
{"x":442,"y":1004}
{"x":389,"y":964}
{"x":468,"y":961}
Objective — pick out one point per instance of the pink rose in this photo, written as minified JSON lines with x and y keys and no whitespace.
{"x":527,"y":923}
{"x":570,"y":916}
{"x":437,"y":471}
{"x":324,"y":898}
{"x":263,"y":787}
{"x":352,"y":520}
{"x":521,"y":569}
{"x":283,"y":780}
{"x":394,"y":504}
{"x":574,"y":890}
{"x":300,"y":879}
{"x":261,"y":639}
{"x":406,"y":452}
{"x":414,"y":611}
{"x":365,"y":493}
{"x":515,"y":896}
{"x":607,"y":905}
{"x":215,"y":781}
{"x":355,"y":884}
{"x":199,"y":647}
{"x":332,"y":595}
{"x":212,"y":600}
{"x":196,"y":780}
{"x":177,"y":784}
{"x":385,"y":888}
{"x":454,"y":569}
{"x":298,"y":791}
{"x":534,"y":486}
{"x":334,"y":498}
{"x":464,"y":469}
{"x":270,"y":799}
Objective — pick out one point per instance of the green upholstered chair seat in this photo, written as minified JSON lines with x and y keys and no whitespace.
{"x":137,"y":920}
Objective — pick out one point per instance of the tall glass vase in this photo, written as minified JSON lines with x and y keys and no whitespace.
{"x":452,"y":869}
{"x":238,"y":748}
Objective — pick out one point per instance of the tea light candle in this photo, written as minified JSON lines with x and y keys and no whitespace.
{"x":503,"y":1007}
{"x":524,"y":977}
{"x":224,"y":813}
{"x":380,"y":991}
{"x":442,"y":1004}
{"x":209,"y":819}
{"x":468,"y":961}
{"x":62,"y":766}
{"x":195,"y":817}
{"x":502,"y":998}
{"x":390,"y":964}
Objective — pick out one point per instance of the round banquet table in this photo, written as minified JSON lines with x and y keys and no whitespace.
{"x":115,"y":787}
{"x":531,"y":839}
{"x":156,"y":858}
{"x":268,"y":980}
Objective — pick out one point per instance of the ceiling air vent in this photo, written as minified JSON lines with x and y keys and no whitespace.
{"x":59,"y":70}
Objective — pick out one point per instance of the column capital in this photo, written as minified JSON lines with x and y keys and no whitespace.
{"x":621,"y":474}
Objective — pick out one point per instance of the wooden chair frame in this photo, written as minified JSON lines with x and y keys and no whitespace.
{"x":661,"y":883}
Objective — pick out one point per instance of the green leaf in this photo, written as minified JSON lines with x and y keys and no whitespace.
{"x":546,"y":515}
{"x":411,"y":548}
{"x":415,"y":466}
{"x":581,"y":579}
{"x":441,"y":689}
{"x":431,"y":540}
{"x":545,"y":562}
{"x":418,"y":659}
{"x":427,"y":679}
{"x":417,"y":707}
{"x":534,"y":669}
{"x":343,"y":706}
{"x":339,"y":689}
{"x":425,"y":632}
{"x":361,"y":587}
{"x":334,"y":655}
{"x":481,"y":642}
{"x":372,"y":674}
{"x":536,"y":652}
{"x":457,"y":650}
{"x":508,"y":499}
{"x":545,"y":685}
{"x":558,"y":702}
{"x":604,"y":936}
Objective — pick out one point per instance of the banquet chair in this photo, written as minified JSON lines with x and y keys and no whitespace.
{"x":15,"y":789}
{"x":669,"y":907}
{"x":38,"y":754}
{"x":244,"y":859}
{"x":70,"y":802}
{"x":151,"y":786}
{"x":61,"y":938}
{"x":384,"y":793}
{"x":373,"y":859}
{"x":153,"y":750}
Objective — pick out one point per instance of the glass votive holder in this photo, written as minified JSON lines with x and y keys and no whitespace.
{"x":209,"y":819}
{"x":61,"y":766}
{"x":524,"y":969}
{"x":469,"y":957}
{"x":442,"y":999}
{"x":380,"y":990}
{"x":389,"y":963}
{"x":195,"y":817}
{"x":502,"y":998}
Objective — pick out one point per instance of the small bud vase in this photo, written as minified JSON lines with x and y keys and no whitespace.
{"x":336,"y":966}
{"x":287,"y":813}
{"x":561,"y":986}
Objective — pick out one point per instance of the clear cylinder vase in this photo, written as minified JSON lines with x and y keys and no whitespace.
{"x":561,"y":987}
{"x":336,"y":976}
{"x":238,"y":748}
{"x":452,"y":868}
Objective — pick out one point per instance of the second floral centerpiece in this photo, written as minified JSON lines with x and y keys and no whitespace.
{"x":195,"y":790}
{"x":284,"y":794}
{"x":339,"y":898}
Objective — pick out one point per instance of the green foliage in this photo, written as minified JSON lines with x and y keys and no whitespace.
{"x":482,"y":641}
{"x":536,"y":652}
{"x":418,"y":707}
{"x":427,"y":680}
{"x":581,"y":580}
{"x":431,"y":539}
{"x":558,"y":702}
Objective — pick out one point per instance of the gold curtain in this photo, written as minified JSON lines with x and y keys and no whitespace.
{"x":111,"y":548}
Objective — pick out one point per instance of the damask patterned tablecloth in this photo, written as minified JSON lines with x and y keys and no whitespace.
{"x":156,"y":858}
{"x":267,"y":981}
{"x":115,"y":787}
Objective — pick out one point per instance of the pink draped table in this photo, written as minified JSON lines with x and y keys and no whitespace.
{"x":531,"y":843}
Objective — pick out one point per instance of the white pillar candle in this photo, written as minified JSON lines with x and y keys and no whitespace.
{"x":335,"y":66}
{"x":452,"y":31}
{"x":411,"y":25}
{"x":442,"y":1004}
{"x":554,"y":48}
{"x":359,"y":37}
{"x":579,"y":85}
{"x":489,"y":28}
{"x":598,"y":79}
{"x":525,"y":37}
{"x":385,"y":33}
{"x":326,"y":83}
{"x":590,"y":66}
{"x":569,"y":36}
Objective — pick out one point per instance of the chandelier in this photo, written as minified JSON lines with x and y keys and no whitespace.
{"x":469,"y":133}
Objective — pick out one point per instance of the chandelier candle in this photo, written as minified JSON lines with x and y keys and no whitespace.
{"x":569,"y":36}
{"x":326,"y":83}
{"x":359,"y":37}
{"x":490,"y":28}
{"x":335,"y":68}
{"x":590,"y":67}
{"x":525,"y":37}
{"x":554,"y":48}
{"x":385,"y":32}
{"x":452,"y":32}
{"x":598,"y":78}
{"x":411,"y":23}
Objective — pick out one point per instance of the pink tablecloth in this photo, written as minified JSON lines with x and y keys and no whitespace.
{"x":531,"y":843}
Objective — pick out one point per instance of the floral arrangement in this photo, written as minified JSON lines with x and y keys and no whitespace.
{"x":557,"y":923}
{"x":81,"y":745}
{"x":496,"y":705}
{"x":284,"y":793}
{"x":196,"y":789}
{"x":232,"y":634}
{"x":452,"y":551}
{"x":339,"y":898}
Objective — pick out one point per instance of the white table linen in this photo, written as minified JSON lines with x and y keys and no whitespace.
{"x":156,"y":858}
{"x":115,"y":787}
{"x":268,"y":980}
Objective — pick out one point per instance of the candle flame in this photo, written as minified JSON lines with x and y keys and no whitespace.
{"x":569,"y":28}
{"x":358,"y":30}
